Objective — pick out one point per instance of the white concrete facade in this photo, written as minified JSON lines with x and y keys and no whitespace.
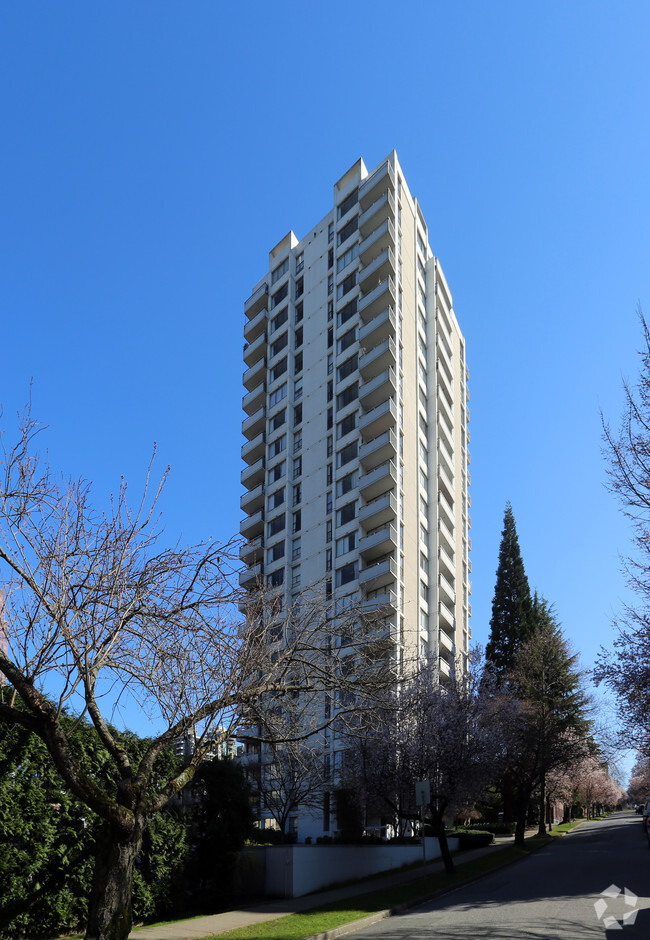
{"x":356,"y":427}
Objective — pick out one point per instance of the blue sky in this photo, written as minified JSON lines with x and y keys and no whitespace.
{"x":153,"y":153}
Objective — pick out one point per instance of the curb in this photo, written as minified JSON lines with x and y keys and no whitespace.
{"x":378,"y":916}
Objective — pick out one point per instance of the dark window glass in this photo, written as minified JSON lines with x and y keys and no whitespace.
{"x":277,"y":524}
{"x":348,"y":367}
{"x":346,"y":425}
{"x":347,"y":312}
{"x":282,"y":293}
{"x":350,"y":200}
{"x":349,"y":394}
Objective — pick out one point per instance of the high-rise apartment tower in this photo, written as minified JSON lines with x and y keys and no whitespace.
{"x":357,"y":418}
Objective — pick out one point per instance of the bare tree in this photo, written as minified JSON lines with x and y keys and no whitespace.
{"x":627,"y":670}
{"x":98,"y":614}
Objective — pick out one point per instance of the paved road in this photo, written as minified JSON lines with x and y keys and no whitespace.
{"x":549,"y":896}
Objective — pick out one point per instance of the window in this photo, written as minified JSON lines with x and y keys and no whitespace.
{"x":346,"y":544}
{"x":297,"y":521}
{"x":347,"y":312}
{"x":297,"y":338}
{"x":347,"y":339}
{"x":328,"y":559}
{"x":424,"y":563}
{"x":346,"y":513}
{"x":346,"y":483}
{"x":348,"y":395}
{"x":350,"y":200}
{"x":279,"y":369}
{"x":297,"y":467}
{"x":346,"y":573}
{"x":297,"y":441}
{"x":330,"y":284}
{"x":328,"y":502}
{"x":276,"y":499}
{"x":330,"y":232}
{"x":297,"y":494}
{"x":330,"y":364}
{"x":278,"y":395}
{"x":346,"y":285}
{"x":330,"y":309}
{"x":276,"y":579}
{"x":348,"y":367}
{"x":297,"y":414}
{"x":299,"y":313}
{"x":297,"y":362}
{"x":330,"y":418}
{"x":330,"y":258}
{"x":275,"y":552}
{"x":278,"y":446}
{"x":330,"y":337}
{"x":279,"y":271}
{"x":300,"y":262}
{"x":348,"y":229}
{"x":295,"y":576}
{"x":329,"y":475}
{"x":330,"y":390}
{"x":277,"y":472}
{"x":297,"y":389}
{"x":281,"y":318}
{"x":278,"y":419}
{"x":423,"y":590}
{"x":300,"y":288}
{"x":296,"y":549}
{"x":347,"y":258}
{"x":277,"y":525}
{"x":279,"y":344}
{"x":328,"y":530}
{"x":330,"y":445}
{"x":279,"y":296}
{"x":348,"y":453}
{"x":346,"y":425}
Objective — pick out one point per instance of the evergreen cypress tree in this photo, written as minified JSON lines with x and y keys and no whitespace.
{"x":512,"y":621}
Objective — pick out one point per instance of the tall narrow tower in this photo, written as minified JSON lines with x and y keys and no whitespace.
{"x":356,"y":421}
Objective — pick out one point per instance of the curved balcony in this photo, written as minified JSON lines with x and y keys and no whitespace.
{"x":253,"y":328}
{"x":380,"y":605}
{"x":252,"y":500}
{"x":379,"y":449}
{"x":378,"y":389}
{"x":381,"y":327}
{"x":255,"y":374}
{"x":377,"y":269}
{"x":252,"y":551}
{"x":253,"y":474}
{"x":253,"y":525}
{"x":378,"y":574}
{"x":254,"y":399}
{"x":383,"y":295}
{"x":379,"y":542}
{"x":380,"y":419}
{"x":253,"y":450}
{"x":381,"y":179}
{"x":378,"y":481}
{"x":258,"y":299}
{"x":256,"y":423}
{"x":255,"y":350}
{"x":377,"y":240}
{"x":252,"y":576}
{"x":372,"y":359}
{"x":377,"y":212}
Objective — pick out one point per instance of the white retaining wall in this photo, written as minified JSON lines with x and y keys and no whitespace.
{"x":290,"y":871}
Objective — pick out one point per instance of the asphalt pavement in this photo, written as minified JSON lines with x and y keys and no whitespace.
{"x":588,"y":885}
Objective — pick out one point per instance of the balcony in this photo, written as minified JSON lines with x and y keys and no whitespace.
{"x":444,"y":408}
{"x":252,"y":552}
{"x":378,"y":269}
{"x":372,"y":359}
{"x":252,"y":500}
{"x":253,"y":525}
{"x":253,"y":450}
{"x":383,"y":295}
{"x":443,"y":473}
{"x":378,"y":511}
{"x":380,"y":419}
{"x":445,"y":671}
{"x":254,"y":327}
{"x":254,"y":474}
{"x":252,"y":426}
{"x":447,"y":593}
{"x":379,"y":542}
{"x":378,"y":481}
{"x":446,"y":617}
{"x":376,"y":213}
{"x":255,"y":375}
{"x":445,"y":642}
{"x":382,"y":327}
{"x":381,"y":179}
{"x":444,"y":376}
{"x":446,"y":558}
{"x":378,"y":574}
{"x":255,"y":350}
{"x":254,"y":399}
{"x":377,"y":390}
{"x":252,"y":576}
{"x":257,"y":301}
{"x":380,"y":605}
{"x":379,"y":449}
{"x":382,"y":237}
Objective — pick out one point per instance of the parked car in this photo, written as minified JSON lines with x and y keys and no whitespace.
{"x":646,"y":814}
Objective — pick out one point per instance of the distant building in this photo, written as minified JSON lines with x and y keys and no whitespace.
{"x":220,"y":746}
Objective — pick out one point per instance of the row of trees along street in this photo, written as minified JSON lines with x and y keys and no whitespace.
{"x":99,"y":615}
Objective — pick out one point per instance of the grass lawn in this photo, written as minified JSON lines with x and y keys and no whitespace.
{"x":308,"y":923}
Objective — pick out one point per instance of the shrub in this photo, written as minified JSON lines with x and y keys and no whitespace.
{"x":498,"y":828}
{"x":471,"y":838}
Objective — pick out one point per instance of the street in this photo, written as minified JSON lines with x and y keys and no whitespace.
{"x":552,"y":894}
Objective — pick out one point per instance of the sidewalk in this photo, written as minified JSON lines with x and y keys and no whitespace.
{"x":200,"y":927}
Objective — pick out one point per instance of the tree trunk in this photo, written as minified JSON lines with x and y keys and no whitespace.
{"x":109,"y":906}
{"x":439,"y":829}
{"x":542,"y":806}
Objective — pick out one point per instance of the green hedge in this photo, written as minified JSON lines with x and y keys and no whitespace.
{"x":471,"y":838}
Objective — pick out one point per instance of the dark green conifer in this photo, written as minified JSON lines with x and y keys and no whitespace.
{"x":512,"y":621}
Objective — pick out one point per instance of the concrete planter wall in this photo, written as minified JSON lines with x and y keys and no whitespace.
{"x":290,"y":871}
